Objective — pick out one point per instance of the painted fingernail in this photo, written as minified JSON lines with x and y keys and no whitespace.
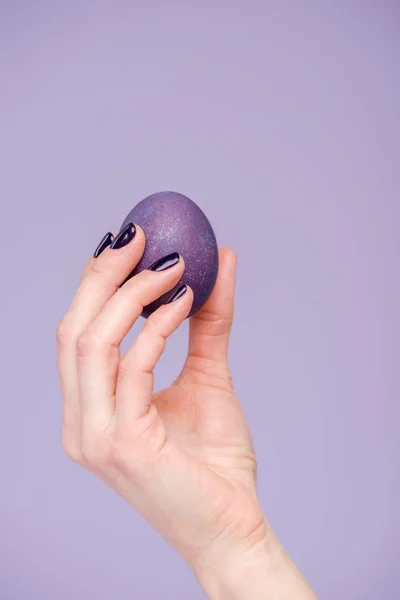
{"x":105,"y":242}
{"x":125,"y":236}
{"x":165,"y":263}
{"x":178,"y":294}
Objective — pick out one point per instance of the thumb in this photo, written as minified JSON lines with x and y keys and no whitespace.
{"x":211,"y":325}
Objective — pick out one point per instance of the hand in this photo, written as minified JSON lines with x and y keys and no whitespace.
{"x":182,"y":457}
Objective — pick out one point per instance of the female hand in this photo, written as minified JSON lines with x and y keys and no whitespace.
{"x":182,"y":457}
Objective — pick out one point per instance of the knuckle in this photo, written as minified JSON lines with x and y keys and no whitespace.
{"x":96,"y":268}
{"x":151,"y":328}
{"x":89,"y":455}
{"x":94,"y":451}
{"x":73,"y":453}
{"x":87,"y":342}
{"x":64,"y":332}
{"x":222,"y":325}
{"x":124,"y":370}
{"x":216,"y":324}
{"x":104,"y":272}
{"x":71,"y":448}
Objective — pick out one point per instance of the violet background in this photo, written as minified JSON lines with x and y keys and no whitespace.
{"x":282,"y":120}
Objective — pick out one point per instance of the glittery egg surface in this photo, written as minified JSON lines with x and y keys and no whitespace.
{"x":174,"y":223}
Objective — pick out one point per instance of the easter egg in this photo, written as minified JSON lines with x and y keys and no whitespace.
{"x":174,"y":223}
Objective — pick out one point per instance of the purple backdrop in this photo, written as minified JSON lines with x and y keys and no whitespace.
{"x":282,"y":120}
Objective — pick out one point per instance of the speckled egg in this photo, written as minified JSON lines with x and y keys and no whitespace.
{"x":174,"y":223}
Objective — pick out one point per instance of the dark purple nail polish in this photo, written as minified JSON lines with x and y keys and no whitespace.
{"x":178,"y":294}
{"x":125,"y":236}
{"x":105,"y":242}
{"x":165,"y":263}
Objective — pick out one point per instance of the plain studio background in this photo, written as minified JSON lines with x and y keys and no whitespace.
{"x":282,"y":120}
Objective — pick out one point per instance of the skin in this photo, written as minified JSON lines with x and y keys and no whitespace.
{"x":182,"y":457}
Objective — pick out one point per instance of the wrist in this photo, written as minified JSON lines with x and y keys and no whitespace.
{"x":237,"y":576}
{"x":262,"y":572}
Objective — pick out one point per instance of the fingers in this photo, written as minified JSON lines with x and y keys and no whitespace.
{"x":211,"y":326}
{"x":100,"y":278}
{"x":103,"y":275}
{"x":98,"y":346}
{"x":136,"y":378}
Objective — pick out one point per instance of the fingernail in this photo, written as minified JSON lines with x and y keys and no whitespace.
{"x":105,"y":242}
{"x":125,"y":236}
{"x":165,"y":263}
{"x":178,"y":294}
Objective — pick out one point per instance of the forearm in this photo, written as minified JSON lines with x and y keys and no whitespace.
{"x":263,"y":573}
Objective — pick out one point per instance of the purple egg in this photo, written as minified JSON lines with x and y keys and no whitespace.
{"x":174,"y":223}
